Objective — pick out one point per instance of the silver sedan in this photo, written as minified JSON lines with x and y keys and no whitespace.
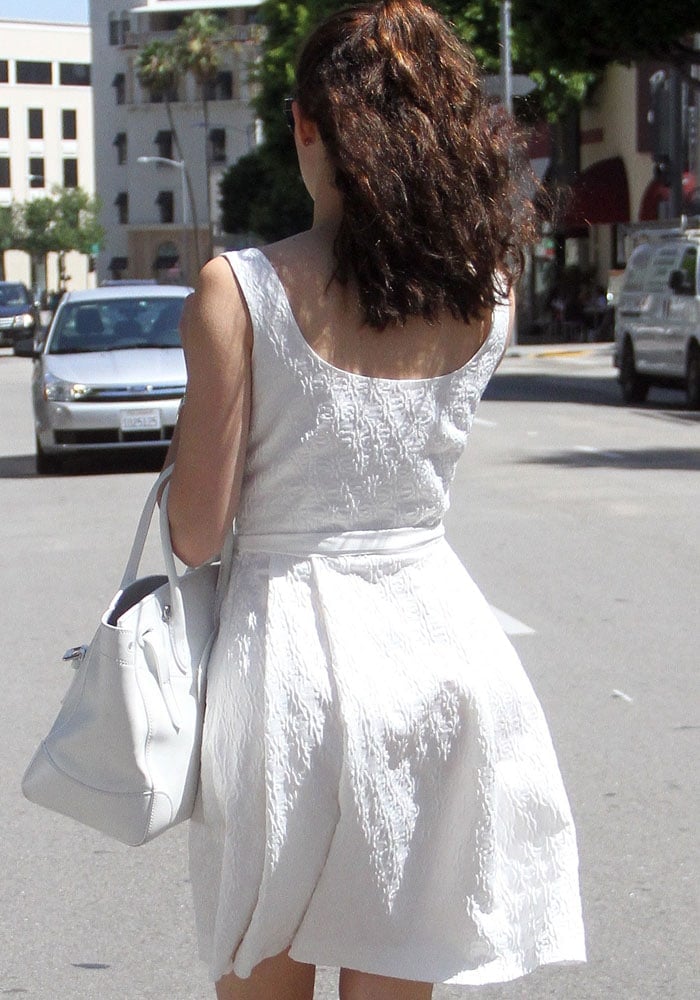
{"x":110,"y":374}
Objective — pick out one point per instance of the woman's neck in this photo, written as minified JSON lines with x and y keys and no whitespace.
{"x":328,"y":206}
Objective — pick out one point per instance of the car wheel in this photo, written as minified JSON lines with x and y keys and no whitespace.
{"x":46,"y":465}
{"x":634,"y":387}
{"x":692,"y":378}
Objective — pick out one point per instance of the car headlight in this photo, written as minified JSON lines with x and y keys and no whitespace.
{"x":56,"y":390}
{"x":24,"y":320}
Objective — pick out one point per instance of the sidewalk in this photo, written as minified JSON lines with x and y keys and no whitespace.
{"x":602,"y":350}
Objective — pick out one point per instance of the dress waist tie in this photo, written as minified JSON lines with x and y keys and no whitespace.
{"x":387,"y":541}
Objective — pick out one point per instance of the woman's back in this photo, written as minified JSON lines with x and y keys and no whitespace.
{"x":351,"y":429}
{"x":330,"y":318}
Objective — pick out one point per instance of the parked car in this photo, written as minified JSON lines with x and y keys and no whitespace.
{"x":657,"y":318}
{"x":19,"y":315}
{"x":110,"y":373}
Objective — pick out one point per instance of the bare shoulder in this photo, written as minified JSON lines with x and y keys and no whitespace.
{"x":216,"y":313}
{"x":217,"y":285}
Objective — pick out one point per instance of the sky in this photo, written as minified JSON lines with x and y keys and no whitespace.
{"x":65,"y":11}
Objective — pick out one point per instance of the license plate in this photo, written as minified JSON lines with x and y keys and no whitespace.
{"x":140,"y":420}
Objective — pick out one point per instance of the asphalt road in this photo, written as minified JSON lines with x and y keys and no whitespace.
{"x":578,"y":517}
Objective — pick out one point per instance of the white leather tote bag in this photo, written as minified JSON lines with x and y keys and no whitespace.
{"x":123,"y":753}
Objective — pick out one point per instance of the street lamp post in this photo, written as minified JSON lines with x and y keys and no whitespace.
{"x":506,"y":58}
{"x":507,"y":94}
{"x":179,"y":165}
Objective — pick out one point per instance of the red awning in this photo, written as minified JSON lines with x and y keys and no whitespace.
{"x":599,"y":196}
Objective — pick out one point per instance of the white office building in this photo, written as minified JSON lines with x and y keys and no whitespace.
{"x":156,"y":225}
{"x":46,"y":130}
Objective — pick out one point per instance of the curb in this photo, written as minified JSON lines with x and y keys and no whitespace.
{"x":560,"y":351}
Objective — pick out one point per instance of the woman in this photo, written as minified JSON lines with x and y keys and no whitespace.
{"x":379,"y":790}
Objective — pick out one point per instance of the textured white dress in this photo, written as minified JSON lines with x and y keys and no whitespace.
{"x":379,"y":788}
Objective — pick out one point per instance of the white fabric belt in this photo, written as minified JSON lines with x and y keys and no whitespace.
{"x":387,"y":541}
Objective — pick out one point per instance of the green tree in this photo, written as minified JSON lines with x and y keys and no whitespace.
{"x":586,"y":37}
{"x":197,"y":47}
{"x":67,"y":220}
{"x":9,"y":233}
{"x":37,"y":231}
{"x":76,"y":225}
{"x":159,"y":71}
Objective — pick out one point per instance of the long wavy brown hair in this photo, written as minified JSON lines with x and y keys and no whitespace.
{"x":437,"y":197}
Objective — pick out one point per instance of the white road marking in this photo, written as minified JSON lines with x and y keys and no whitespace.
{"x":510,"y":625}
{"x":616,"y":693}
{"x":485,"y":423}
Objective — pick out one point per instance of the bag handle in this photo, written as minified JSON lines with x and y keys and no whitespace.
{"x":138,"y":545}
{"x":177,"y":621}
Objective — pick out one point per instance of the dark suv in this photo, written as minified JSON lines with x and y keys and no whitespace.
{"x":19,"y":316}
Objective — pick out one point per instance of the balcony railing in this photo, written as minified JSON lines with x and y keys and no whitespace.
{"x":246,"y":34}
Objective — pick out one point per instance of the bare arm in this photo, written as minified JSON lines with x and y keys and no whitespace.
{"x":209,"y":445}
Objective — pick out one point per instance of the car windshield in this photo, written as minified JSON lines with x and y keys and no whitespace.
{"x":13,"y":295}
{"x":117,"y":324}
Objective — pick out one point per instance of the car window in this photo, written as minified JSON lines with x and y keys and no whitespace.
{"x":688,"y":268}
{"x":636,"y":269}
{"x":116,"y":324}
{"x":13,"y":295}
{"x":663,"y":262}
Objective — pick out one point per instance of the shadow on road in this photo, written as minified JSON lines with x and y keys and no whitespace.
{"x":24,"y":466}
{"x":653,"y":459}
{"x":553,"y":388}
{"x":561,"y":387}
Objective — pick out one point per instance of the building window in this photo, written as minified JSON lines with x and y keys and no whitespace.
{"x":119,"y":84}
{"x":74,"y":74}
{"x":167,"y":257}
{"x":117,"y":265}
{"x":4,"y":123}
{"x":4,"y":71}
{"x":34,"y":72}
{"x":217,"y":140}
{"x":220,"y":88}
{"x":35,"y":123}
{"x":164,"y":142}
{"x":122,"y":203}
{"x":118,"y":28}
{"x":5,"y":172}
{"x":36,"y":172}
{"x":69,"y":124}
{"x":157,"y":97}
{"x":166,"y":204}
{"x":70,"y":173}
{"x":120,"y":143}
{"x":114,"y":33}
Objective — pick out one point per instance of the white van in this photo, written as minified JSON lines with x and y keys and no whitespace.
{"x":657,"y":317}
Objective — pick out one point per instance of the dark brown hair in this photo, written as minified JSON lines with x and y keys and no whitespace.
{"x":431,"y":175}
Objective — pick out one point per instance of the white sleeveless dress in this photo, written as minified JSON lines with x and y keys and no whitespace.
{"x":379,"y":789}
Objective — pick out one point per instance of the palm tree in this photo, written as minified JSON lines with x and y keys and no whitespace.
{"x":158,"y":70}
{"x":199,"y":42}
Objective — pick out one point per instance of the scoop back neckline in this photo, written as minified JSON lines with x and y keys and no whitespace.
{"x":360,"y":375}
